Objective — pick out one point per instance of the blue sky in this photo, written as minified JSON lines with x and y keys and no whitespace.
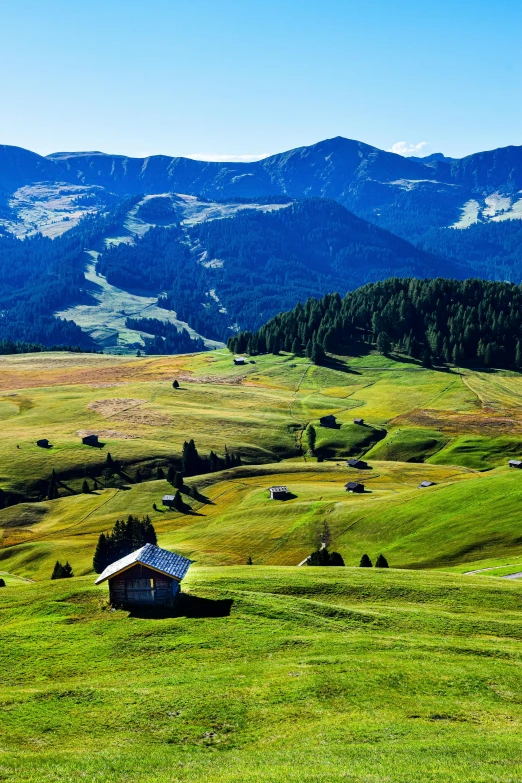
{"x":226,"y":78}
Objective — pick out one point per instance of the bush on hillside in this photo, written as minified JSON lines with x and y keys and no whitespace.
{"x":381,"y":562}
{"x":322,"y":557}
{"x":62,"y":571}
{"x":365,"y":562}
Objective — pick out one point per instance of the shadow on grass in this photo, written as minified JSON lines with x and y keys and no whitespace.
{"x":186,"y":606}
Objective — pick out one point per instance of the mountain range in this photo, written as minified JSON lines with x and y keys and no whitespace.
{"x":221,"y":246}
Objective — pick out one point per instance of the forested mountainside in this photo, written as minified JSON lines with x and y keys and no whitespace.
{"x":401,"y":194}
{"x":39,"y":275}
{"x":471,"y":322}
{"x":245,"y":269}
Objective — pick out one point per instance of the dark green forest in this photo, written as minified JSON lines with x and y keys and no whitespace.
{"x":244,"y":269}
{"x":471,"y":322}
{"x":167,"y":338}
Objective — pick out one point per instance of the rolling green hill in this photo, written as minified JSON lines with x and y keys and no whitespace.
{"x":420,"y":424}
{"x":266,"y":674}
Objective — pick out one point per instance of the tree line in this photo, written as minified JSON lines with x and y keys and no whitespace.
{"x":463,"y":322}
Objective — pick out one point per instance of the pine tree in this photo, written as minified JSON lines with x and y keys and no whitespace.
{"x":67,"y":571}
{"x":381,"y":562}
{"x":365,"y":562}
{"x":137,"y":477}
{"x":335,"y":559}
{"x":518,"y":355}
{"x":296,"y":347}
{"x":100,"y":560}
{"x":171,"y":475}
{"x":317,"y":355}
{"x":383,"y":343}
{"x":175,"y":385}
{"x":52,"y":489}
{"x":85,"y":487}
{"x":308,"y":349}
{"x":311,"y":436}
{"x":160,"y":473}
{"x":178,"y":481}
{"x":250,"y":561}
{"x":57,"y":571}
{"x":178,"y":501}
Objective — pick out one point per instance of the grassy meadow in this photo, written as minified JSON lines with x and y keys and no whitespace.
{"x":270,"y":672}
{"x":266,"y":674}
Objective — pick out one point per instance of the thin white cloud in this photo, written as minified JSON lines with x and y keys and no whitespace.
{"x":406,"y":148}
{"x":210,"y":156}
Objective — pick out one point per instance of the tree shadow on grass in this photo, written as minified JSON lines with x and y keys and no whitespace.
{"x":186,"y":605}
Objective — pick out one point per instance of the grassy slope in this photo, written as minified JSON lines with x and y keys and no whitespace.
{"x":262,"y":409}
{"x":314,"y":676}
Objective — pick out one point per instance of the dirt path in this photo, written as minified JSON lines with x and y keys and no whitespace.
{"x":494,"y":568}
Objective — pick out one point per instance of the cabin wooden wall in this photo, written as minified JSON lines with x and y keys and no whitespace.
{"x":142,"y":585}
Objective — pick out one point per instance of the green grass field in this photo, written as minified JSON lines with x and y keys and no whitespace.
{"x":307,"y":675}
{"x":270,"y":672}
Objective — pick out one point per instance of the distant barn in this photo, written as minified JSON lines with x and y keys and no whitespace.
{"x":354,"y":486}
{"x":278,"y":493}
{"x":150,"y":576}
{"x":426,"y":484}
{"x":90,"y":440}
{"x":168,"y":500}
{"x":239,"y":360}
{"x":515,"y":463}
{"x":328,"y":421}
{"x":358,"y":421}
{"x":43,"y":443}
{"x":356,"y":463}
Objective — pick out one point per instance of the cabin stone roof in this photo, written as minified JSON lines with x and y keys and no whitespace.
{"x":155,"y":557}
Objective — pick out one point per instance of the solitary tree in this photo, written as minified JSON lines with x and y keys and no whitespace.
{"x":250,"y":561}
{"x":175,"y":385}
{"x":178,"y":501}
{"x":365,"y":562}
{"x":383,"y":343}
{"x":171,"y":475}
{"x":178,"y":481}
{"x":160,"y":473}
{"x":381,"y":562}
{"x":311,"y":438}
{"x":85,"y":487}
{"x":2,"y":582}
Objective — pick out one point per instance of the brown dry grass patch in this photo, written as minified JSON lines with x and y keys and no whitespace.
{"x":486,"y":422}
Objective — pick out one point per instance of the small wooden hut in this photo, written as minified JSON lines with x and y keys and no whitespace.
{"x":90,"y":440}
{"x":168,"y":500}
{"x":239,"y":360}
{"x":426,"y":484}
{"x":360,"y":464}
{"x":354,"y":486}
{"x":278,"y":493}
{"x":150,"y":576}
{"x":359,"y":421}
{"x":515,"y":463}
{"x":328,"y":421}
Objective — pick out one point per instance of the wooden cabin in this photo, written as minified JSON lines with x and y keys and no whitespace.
{"x":43,"y":443}
{"x":239,"y":360}
{"x":168,"y":500}
{"x":360,"y":464}
{"x":515,"y":463}
{"x":328,"y":421}
{"x":359,"y":421}
{"x":278,"y":493}
{"x":90,"y":440}
{"x":426,"y":484}
{"x":150,"y":576}
{"x":354,"y":486}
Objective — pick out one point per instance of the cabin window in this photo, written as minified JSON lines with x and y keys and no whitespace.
{"x":140,"y":590}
